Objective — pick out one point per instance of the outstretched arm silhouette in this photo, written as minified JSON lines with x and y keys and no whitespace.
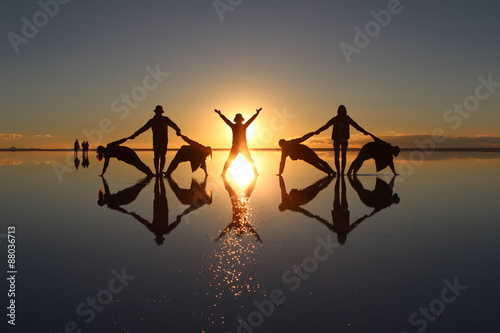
{"x":227,"y":121}
{"x":253,"y":117}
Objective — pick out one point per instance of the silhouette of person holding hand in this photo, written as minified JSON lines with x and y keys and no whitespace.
{"x":121,"y":153}
{"x":340,"y":135}
{"x":298,"y":151}
{"x":382,"y":152}
{"x":195,"y":153}
{"x":239,"y":145}
{"x":159,"y":126}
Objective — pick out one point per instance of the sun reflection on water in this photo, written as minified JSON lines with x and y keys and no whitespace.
{"x":240,"y":172}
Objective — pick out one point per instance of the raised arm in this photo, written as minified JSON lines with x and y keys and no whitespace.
{"x":249,"y":121}
{"x":305,"y":137}
{"x":189,"y":141}
{"x":227,"y":121}
{"x":174,"y":126}
{"x":325,"y":126}
{"x":356,"y":126}
{"x":141,"y":130}
{"x":118,"y":142}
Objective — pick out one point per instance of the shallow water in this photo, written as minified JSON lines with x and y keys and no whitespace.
{"x":301,"y":253}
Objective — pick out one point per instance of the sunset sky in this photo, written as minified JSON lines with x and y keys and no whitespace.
{"x":95,"y":70}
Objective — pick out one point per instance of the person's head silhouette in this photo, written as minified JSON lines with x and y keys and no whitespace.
{"x":395,"y":150}
{"x":100,"y":153}
{"x":281,"y":143}
{"x":342,"y":111}
{"x":238,"y":118}
{"x":158,"y":109}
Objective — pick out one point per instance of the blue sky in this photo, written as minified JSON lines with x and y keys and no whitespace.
{"x":285,"y":56}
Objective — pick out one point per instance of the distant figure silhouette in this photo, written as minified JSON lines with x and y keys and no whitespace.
{"x":121,"y":153}
{"x":296,"y":198}
{"x":340,"y":135}
{"x":380,"y":198}
{"x":298,"y":151}
{"x":196,"y":197}
{"x":85,"y":148}
{"x":195,"y":153}
{"x":239,"y":144}
{"x":124,"y":197}
{"x":159,"y":126}
{"x":160,"y":225}
{"x":241,"y":211}
{"x":76,"y":147}
{"x":382,"y":152}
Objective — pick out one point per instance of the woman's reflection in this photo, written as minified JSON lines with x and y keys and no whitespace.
{"x":241,"y":211}
{"x":380,"y":198}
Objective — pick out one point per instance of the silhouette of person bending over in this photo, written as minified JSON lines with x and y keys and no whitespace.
{"x":382,"y":152}
{"x":195,"y":153}
{"x":340,"y":135}
{"x":121,"y":153}
{"x":298,"y":151}
{"x":159,"y":126}
{"x":239,"y":145}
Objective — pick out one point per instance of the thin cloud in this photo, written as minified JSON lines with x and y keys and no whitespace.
{"x":10,"y":137}
{"x":44,"y":136}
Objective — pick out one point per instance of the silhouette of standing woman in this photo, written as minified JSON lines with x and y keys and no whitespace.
{"x":340,"y":135}
{"x":239,"y":146}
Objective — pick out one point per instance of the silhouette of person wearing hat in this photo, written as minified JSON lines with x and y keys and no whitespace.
{"x":121,"y":153}
{"x":159,"y":126}
{"x":239,"y":145}
{"x":195,"y":153}
{"x":298,"y":151}
{"x":382,"y":152}
{"x":340,"y":135}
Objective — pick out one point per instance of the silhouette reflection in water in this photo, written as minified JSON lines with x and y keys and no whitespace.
{"x":241,"y":211}
{"x":76,"y":162}
{"x":296,"y":198}
{"x":380,"y":198}
{"x":124,"y":197}
{"x":196,"y":196}
{"x":160,"y":225}
{"x":85,"y":162}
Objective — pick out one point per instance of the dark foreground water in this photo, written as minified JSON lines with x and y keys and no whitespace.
{"x":302,"y":253}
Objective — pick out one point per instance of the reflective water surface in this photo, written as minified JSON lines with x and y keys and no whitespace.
{"x":298,"y":253}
